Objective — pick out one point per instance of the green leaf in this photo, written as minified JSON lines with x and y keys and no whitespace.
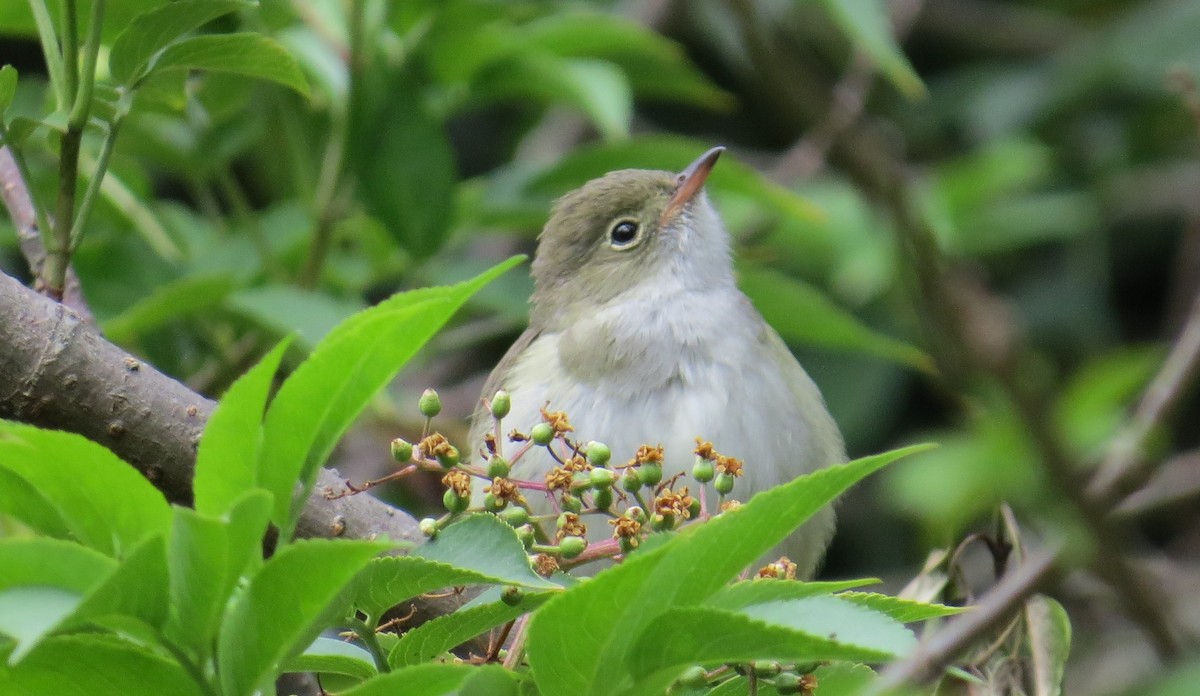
{"x":1048,"y":629}
{"x":424,"y":680}
{"x":19,"y":499}
{"x":484,"y":544}
{"x":79,"y":478}
{"x":902,"y":610}
{"x":286,"y":310}
{"x":136,"y":592}
{"x":742,"y":594}
{"x":170,"y":302}
{"x":435,"y":637}
{"x":152,"y":31}
{"x":330,"y":656}
{"x":803,"y":315}
{"x":30,"y":613}
{"x":404,"y":166}
{"x":596,"y":87}
{"x":324,"y":395}
{"x":8,"y":88}
{"x":578,"y":640}
{"x":868,"y":24}
{"x":227,"y":459}
{"x":248,"y":54}
{"x":90,"y":665}
{"x":816,"y":628}
{"x":389,"y":581}
{"x":283,"y":608}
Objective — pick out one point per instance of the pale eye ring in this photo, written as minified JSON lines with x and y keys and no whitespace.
{"x":624,"y":234}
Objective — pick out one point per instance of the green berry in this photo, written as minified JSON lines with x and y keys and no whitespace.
{"x":789,"y":683}
{"x":603,"y":498}
{"x":430,"y":403}
{"x":526,"y":534}
{"x":402,"y":450}
{"x":661,"y":523}
{"x":515,"y":515}
{"x":493,"y":504}
{"x":723,"y":483}
{"x":512,"y":595}
{"x":454,"y":502}
{"x":571,"y":503}
{"x":630,"y":480}
{"x":626,"y":545}
{"x":703,"y":470}
{"x":636,"y":513}
{"x":767,"y":668}
{"x":572,"y":546}
{"x":598,"y":453}
{"x":501,"y":404}
{"x":650,"y":474}
{"x":428,"y":527}
{"x":602,"y":479}
{"x":694,"y":509}
{"x":449,"y":457}
{"x":542,"y":434}
{"x":498,"y":467}
{"x":581,"y":481}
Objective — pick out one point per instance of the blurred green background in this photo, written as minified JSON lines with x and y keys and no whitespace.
{"x":1049,"y":146}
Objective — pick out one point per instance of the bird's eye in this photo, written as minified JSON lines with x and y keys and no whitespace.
{"x":624,"y":234}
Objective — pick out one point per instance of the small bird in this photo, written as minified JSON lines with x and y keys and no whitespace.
{"x":639,"y":333}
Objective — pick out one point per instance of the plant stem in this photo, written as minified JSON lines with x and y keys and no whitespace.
{"x":54,"y":59}
{"x":367,"y":635}
{"x":93,"y":189}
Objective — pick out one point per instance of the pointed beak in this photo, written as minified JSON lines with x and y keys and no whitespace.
{"x":689,"y":183}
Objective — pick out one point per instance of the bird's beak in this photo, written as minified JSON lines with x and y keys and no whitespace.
{"x":690,"y":181}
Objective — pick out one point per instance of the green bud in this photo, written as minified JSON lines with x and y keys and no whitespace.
{"x":650,"y":474}
{"x":694,"y":509}
{"x":512,"y":595}
{"x":402,"y":450}
{"x":581,"y":481}
{"x":572,"y":546}
{"x":498,"y":467}
{"x":570,"y":503}
{"x":493,"y":504}
{"x":694,"y":677}
{"x":526,"y":534}
{"x":598,"y":453}
{"x":561,"y":521}
{"x":449,"y":458}
{"x":626,"y":545}
{"x":603,"y":498}
{"x":662,"y":523}
{"x":542,"y":434}
{"x":602,"y":479}
{"x":703,"y":470}
{"x":630,"y":480}
{"x":454,"y":502}
{"x":428,"y":527}
{"x":430,"y":403}
{"x":789,"y":683}
{"x":723,"y":483}
{"x":501,"y":404}
{"x":636,"y":513}
{"x":767,"y":668}
{"x":515,"y":515}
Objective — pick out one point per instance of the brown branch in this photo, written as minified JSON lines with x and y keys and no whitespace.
{"x":57,"y":372}
{"x":15,"y":194}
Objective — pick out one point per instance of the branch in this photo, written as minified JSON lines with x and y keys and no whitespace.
{"x":58,"y":372}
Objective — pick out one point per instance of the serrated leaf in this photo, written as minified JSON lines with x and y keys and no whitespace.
{"x":152,"y":31}
{"x":8,"y":88}
{"x":1048,"y":629}
{"x":389,"y":581}
{"x":867,"y":23}
{"x":327,"y":391}
{"x":78,"y":477}
{"x":577,"y":640}
{"x":281,"y":609}
{"x":902,"y":610}
{"x":248,"y":54}
{"x":91,"y":665}
{"x":435,"y":637}
{"x":804,"y":315}
{"x":747,"y":592}
{"x":484,"y":544}
{"x":422,"y":680}
{"x":816,"y":628}
{"x":227,"y":459}
{"x":333,"y":657}
{"x":170,"y":302}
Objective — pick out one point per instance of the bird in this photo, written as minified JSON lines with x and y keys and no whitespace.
{"x":638,"y":331}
